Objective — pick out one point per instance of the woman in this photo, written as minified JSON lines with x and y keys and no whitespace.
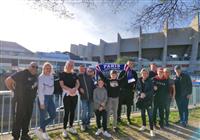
{"x":45,"y":102}
{"x":145,"y":90}
{"x":70,"y":84}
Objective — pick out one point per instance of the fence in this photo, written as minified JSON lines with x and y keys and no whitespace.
{"x":6,"y":110}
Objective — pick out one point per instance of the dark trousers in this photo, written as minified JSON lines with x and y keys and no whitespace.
{"x":126,"y":97}
{"x":70,"y":103}
{"x":22,"y":112}
{"x":101,"y":115}
{"x":150,"y":115}
{"x":167,"y":109}
{"x":158,"y":107}
{"x":182,"y":103}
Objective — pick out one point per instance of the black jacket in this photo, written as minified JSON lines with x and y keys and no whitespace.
{"x":87,"y":84}
{"x":183,"y":85}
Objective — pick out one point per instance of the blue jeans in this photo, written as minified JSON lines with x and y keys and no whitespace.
{"x":150,"y":115}
{"x":50,"y":109}
{"x":182,"y":103}
{"x":86,"y":112}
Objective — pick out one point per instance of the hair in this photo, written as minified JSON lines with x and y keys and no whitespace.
{"x":144,"y":70}
{"x":66,"y":64}
{"x":167,"y":70}
{"x":47,"y":64}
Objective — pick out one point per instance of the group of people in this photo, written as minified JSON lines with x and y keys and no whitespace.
{"x":103,"y":96}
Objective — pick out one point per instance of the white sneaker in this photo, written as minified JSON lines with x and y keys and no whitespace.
{"x":152,"y":133}
{"x":64,"y":133}
{"x":45,"y":136}
{"x":105,"y":133}
{"x":82,"y":127}
{"x":142,"y":128}
{"x":99,"y":131}
{"x":72,"y":130}
{"x":38,"y":133}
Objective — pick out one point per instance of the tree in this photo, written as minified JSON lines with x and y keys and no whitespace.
{"x":122,"y":60}
{"x":157,"y":12}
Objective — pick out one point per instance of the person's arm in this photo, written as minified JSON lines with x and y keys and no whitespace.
{"x":40,"y":92}
{"x":122,"y":76}
{"x":103,"y":77}
{"x":189,"y":86}
{"x":103,"y":104}
{"x":10,"y":83}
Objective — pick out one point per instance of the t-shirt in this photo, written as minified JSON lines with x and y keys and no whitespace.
{"x":26,"y":85}
{"x":69,"y":79}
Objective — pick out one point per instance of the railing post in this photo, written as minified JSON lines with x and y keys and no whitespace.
{"x":2,"y":114}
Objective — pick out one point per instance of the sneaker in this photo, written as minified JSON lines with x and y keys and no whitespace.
{"x":64,"y":133}
{"x":72,"y":130}
{"x":45,"y":136}
{"x":83,"y":128}
{"x":26,"y":137}
{"x":99,"y":131}
{"x":142,"y":128}
{"x":152,"y":134}
{"x":38,"y":133}
{"x":105,"y":133}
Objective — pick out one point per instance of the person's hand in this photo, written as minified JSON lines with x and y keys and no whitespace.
{"x":82,"y":90}
{"x":155,"y":87}
{"x":100,"y":108}
{"x":142,"y":95}
{"x":188,"y":96}
{"x":102,"y":104}
{"x":42,"y":106}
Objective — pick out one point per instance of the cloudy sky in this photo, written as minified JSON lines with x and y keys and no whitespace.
{"x":41,"y":30}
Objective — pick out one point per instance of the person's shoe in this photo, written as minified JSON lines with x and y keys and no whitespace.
{"x":64,"y":133}
{"x":38,"y":133}
{"x":184,"y":124}
{"x":152,"y":134}
{"x":26,"y":137}
{"x":105,"y":133}
{"x":72,"y":130}
{"x":142,"y":128}
{"x":99,"y":131}
{"x":45,"y":136}
{"x":83,"y":128}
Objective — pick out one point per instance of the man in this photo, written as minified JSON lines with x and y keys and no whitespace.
{"x":183,"y":85}
{"x":86,"y":91}
{"x":170,"y":96}
{"x":24,"y":86}
{"x":127,"y":91}
{"x":161,"y":91}
{"x":153,"y":70}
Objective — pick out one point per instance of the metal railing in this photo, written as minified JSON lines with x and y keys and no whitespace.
{"x":6,"y":110}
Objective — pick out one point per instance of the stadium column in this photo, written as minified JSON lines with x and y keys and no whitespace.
{"x":140,"y":47}
{"x":118,"y":45}
{"x":102,"y":47}
{"x":195,"y":42}
{"x":165,"y":31}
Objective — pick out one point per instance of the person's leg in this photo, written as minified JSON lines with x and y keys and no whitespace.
{"x":89,"y":116}
{"x":150,"y":115}
{"x":185,"y":103}
{"x":129,"y":103}
{"x":119,"y":109}
{"x":104,"y":123}
{"x":109,"y":109}
{"x":51,"y":111}
{"x":115,"y":107}
{"x":17,"y":118}
{"x":155,"y":113}
{"x":161,"y":115}
{"x":42,"y":116}
{"x":84,"y":112}
{"x":167,"y":111}
{"x":73,"y":101}
{"x":66,"y":103}
{"x":143,"y":115}
{"x":128,"y":112}
{"x":28,"y":108}
{"x":178,"y":102}
{"x":98,"y":118}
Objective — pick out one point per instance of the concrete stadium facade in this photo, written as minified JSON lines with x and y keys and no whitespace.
{"x":166,"y":48}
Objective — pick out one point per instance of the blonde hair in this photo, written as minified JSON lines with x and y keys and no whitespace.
{"x":45,"y":65}
{"x":66,"y":65}
{"x":167,"y":70}
{"x":144,"y":70}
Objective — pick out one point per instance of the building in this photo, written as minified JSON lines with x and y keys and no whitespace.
{"x":166,"y":48}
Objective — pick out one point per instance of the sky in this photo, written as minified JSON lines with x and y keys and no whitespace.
{"x":41,"y":30}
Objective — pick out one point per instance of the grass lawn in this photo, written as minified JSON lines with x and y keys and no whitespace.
{"x":131,"y":132}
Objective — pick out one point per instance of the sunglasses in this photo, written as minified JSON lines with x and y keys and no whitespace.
{"x":34,"y":67}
